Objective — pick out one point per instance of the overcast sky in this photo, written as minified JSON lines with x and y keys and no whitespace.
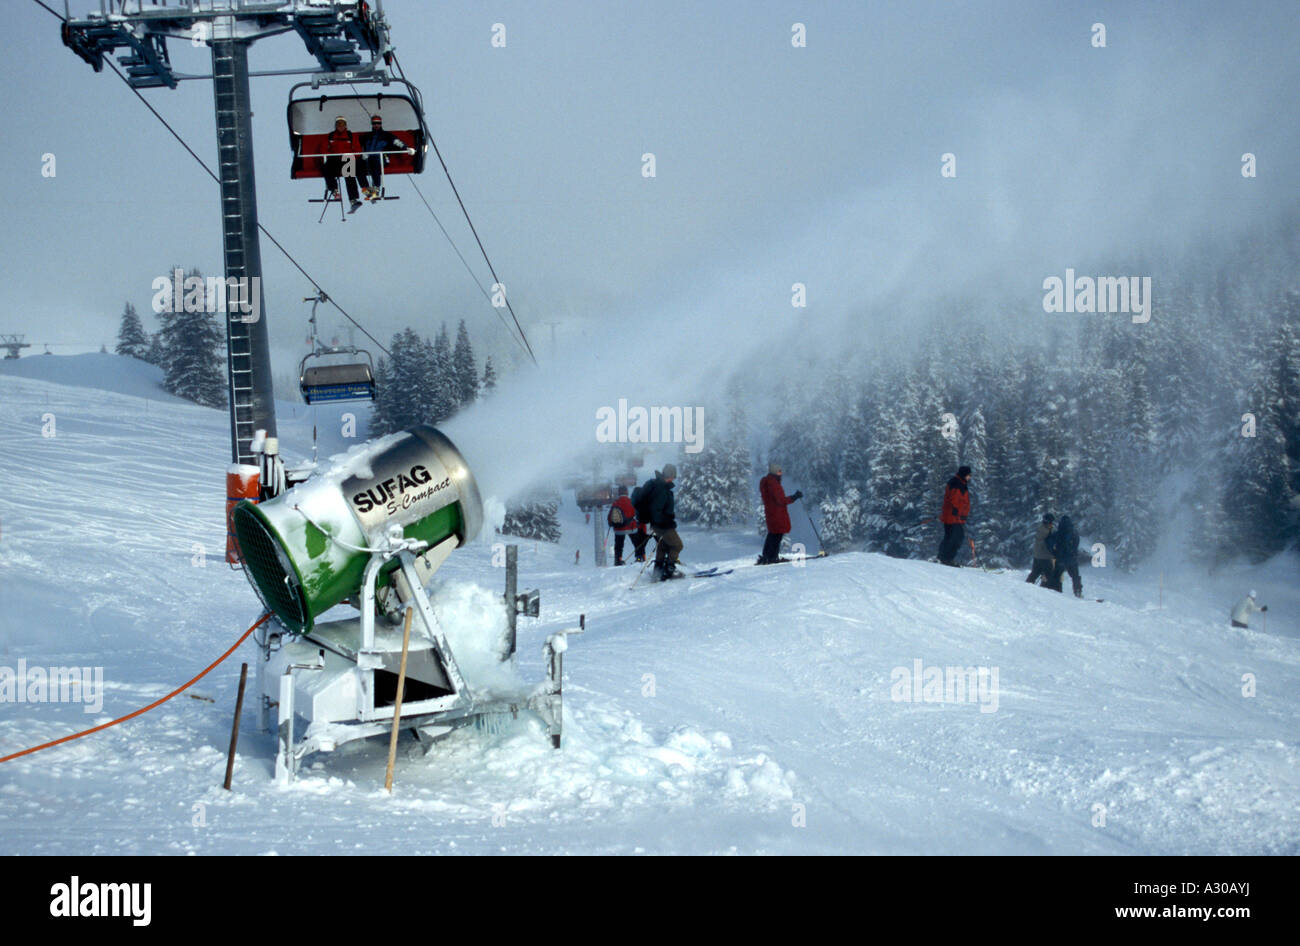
{"x":774,"y":163}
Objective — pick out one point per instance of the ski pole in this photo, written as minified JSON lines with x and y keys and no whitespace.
{"x":821,"y":548}
{"x":645,"y":563}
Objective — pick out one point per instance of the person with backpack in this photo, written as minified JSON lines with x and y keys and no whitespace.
{"x":654,"y":507}
{"x":953,"y":515}
{"x":775,"y":502}
{"x":1244,"y":608}
{"x":1043,"y":561}
{"x":622,"y":519}
{"x":1064,"y":546}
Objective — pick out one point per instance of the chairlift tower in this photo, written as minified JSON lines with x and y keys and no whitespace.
{"x":350,"y":42}
{"x":13,"y":344}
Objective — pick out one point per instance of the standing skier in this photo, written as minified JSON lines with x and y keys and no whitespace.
{"x":654,"y":507}
{"x":1064,"y":546}
{"x":1043,"y":563}
{"x":775,"y":502}
{"x":622,"y":519}
{"x":1244,"y":608}
{"x":953,"y":515}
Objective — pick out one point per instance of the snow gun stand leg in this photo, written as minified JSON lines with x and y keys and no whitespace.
{"x":339,"y":679}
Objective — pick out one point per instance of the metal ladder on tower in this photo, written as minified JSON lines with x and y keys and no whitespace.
{"x":239,"y":236}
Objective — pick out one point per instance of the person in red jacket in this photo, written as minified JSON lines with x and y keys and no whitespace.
{"x":953,"y":515}
{"x":778,"y":517}
{"x":339,"y":144}
{"x":622,"y":519}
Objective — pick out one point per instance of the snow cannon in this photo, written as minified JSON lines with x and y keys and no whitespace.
{"x":311,"y":547}
{"x":371,"y":532}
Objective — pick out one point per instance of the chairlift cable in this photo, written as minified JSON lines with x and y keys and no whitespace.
{"x":469,"y":269}
{"x":496,"y":279}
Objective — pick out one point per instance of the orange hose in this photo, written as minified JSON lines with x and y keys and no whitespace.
{"x":155,"y":703}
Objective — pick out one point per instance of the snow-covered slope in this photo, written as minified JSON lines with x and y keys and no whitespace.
{"x":756,"y":712}
{"x":98,"y":370}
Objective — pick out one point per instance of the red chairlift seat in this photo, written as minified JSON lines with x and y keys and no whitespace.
{"x":311,"y":120}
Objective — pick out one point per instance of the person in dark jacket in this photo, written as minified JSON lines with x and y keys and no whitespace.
{"x":953,"y":515}
{"x":775,"y":502}
{"x":622,"y":519}
{"x":655,"y":508}
{"x":1043,"y":561}
{"x":1064,"y":546}
{"x":377,"y":143}
{"x":340,"y":144}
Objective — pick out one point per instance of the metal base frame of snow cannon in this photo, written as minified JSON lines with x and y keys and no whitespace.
{"x":340,"y":677}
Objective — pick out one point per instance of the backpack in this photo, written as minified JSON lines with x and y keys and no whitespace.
{"x":615,"y":516}
{"x":641,"y":497}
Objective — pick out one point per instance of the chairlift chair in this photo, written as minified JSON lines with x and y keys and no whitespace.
{"x":351,"y":379}
{"x":323,"y":380}
{"x":311,"y":119}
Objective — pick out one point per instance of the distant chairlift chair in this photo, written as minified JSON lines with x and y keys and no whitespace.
{"x":351,"y":379}
{"x":331,"y":373}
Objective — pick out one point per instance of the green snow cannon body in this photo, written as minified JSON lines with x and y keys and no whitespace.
{"x":306,"y":550}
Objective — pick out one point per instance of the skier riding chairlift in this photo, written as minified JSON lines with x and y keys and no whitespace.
{"x":395,"y":144}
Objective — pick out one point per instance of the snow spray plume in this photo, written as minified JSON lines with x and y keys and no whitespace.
{"x":1031,"y":195}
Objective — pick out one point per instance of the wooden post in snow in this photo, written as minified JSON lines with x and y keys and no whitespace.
{"x":234,"y":729}
{"x":397,"y":707}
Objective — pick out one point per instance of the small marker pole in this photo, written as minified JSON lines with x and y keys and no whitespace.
{"x":397,"y":708}
{"x":234,"y":729}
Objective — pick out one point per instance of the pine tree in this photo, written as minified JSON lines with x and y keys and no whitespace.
{"x":466,"y":371}
{"x":444,"y":399}
{"x":891,"y":518}
{"x":716,"y":486}
{"x":156,"y":354}
{"x":489,"y":377}
{"x":985,"y":527}
{"x":843,"y":521}
{"x":704,"y":492}
{"x":400,"y":403}
{"x":1135,"y":525}
{"x":378,"y":424}
{"x":1213,"y":538}
{"x":192,"y":343}
{"x":533,"y":518}
{"x":131,"y":338}
{"x":1001,"y":508}
{"x":1265,"y":469}
{"x":1285,"y":364}
{"x":429,"y":384}
{"x":1180,"y":336}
